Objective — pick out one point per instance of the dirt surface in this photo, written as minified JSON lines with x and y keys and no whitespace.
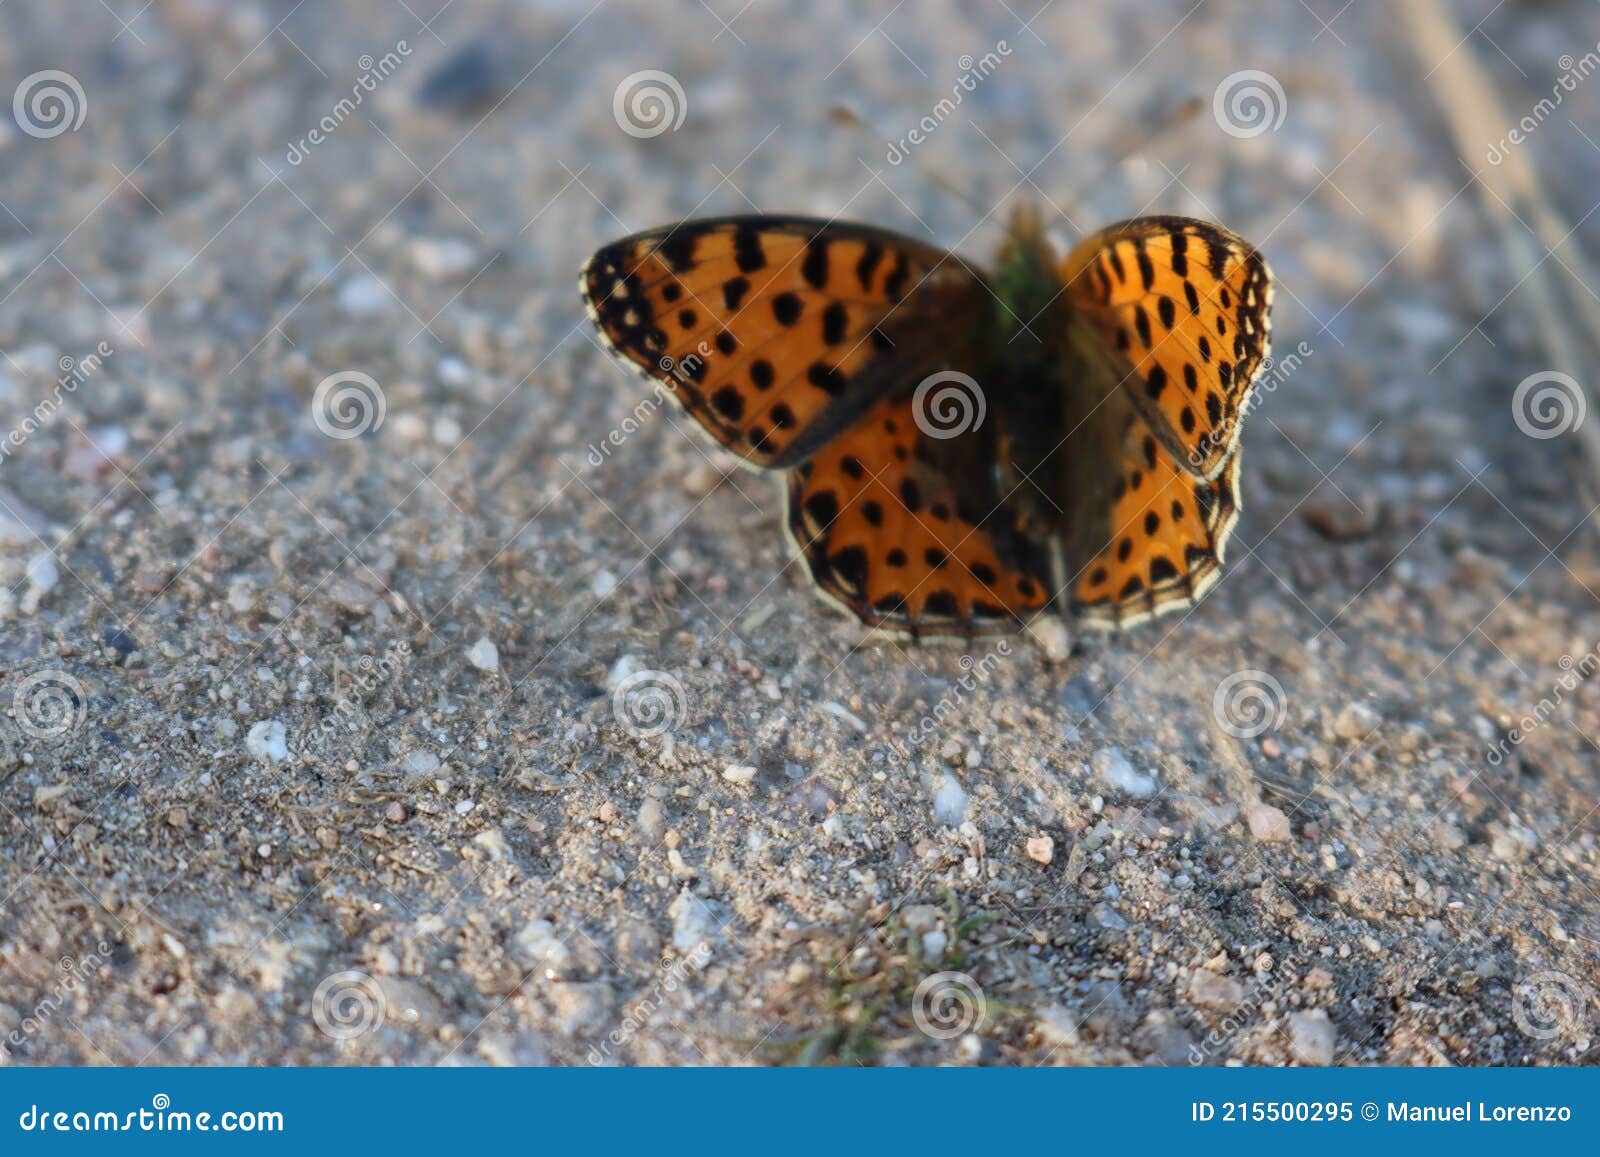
{"x":507,"y":732}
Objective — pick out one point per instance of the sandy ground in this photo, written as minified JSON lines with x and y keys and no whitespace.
{"x":462,"y":741}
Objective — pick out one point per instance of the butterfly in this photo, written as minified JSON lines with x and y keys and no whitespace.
{"x":964,"y":448}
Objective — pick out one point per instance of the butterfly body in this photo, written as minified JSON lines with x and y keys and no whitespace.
{"x":963,"y":448}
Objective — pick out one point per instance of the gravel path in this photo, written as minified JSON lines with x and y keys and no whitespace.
{"x":504,"y":731}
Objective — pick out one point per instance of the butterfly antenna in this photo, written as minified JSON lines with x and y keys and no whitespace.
{"x":1139,"y":142}
{"x":849,"y":118}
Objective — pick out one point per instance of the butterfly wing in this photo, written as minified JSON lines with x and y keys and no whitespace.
{"x":1158,"y":543}
{"x":777,"y":333}
{"x":1185,"y":307}
{"x":909,"y":532}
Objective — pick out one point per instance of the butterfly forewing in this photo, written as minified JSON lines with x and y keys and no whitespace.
{"x":1185,"y":305}
{"x":776,"y":333}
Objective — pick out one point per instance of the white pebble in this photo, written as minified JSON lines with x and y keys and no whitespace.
{"x":950,"y":802}
{"x":621,"y":669}
{"x":445,"y":259}
{"x":421,"y":763}
{"x":739,"y":773}
{"x":43,"y":575}
{"x":1041,"y":849}
{"x":446,"y":430}
{"x":604,"y":583}
{"x":1312,"y":1037}
{"x":1268,"y":824}
{"x":1051,"y":635}
{"x":484,"y":655}
{"x":693,"y":922}
{"x":1113,"y":768}
{"x":268,"y":740}
{"x":1214,"y":990}
{"x":364,"y":296}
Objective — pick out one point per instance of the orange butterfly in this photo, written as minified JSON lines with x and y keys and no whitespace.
{"x":965,"y":449}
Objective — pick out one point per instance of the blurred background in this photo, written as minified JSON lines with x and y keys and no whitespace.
{"x":359,"y":708}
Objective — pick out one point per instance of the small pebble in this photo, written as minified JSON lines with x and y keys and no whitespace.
{"x":1051,"y":635}
{"x":739,"y":773}
{"x":1113,"y":768}
{"x":43,"y":575}
{"x":1312,"y":1037}
{"x":1041,"y":849}
{"x":1356,"y":721}
{"x":1214,"y":990}
{"x":1268,"y":824}
{"x":268,"y":740}
{"x":950,"y":802}
{"x":395,"y":813}
{"x":420,"y":763}
{"x":693,"y":923}
{"x":484,"y":655}
{"x":443,"y":259}
{"x":1056,"y":1026}
{"x":1109,"y":918}
{"x":364,"y":296}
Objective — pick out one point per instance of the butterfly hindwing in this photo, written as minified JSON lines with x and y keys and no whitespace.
{"x":775,"y":333}
{"x":890,"y":531}
{"x":1185,"y":305}
{"x":1162,"y":547}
